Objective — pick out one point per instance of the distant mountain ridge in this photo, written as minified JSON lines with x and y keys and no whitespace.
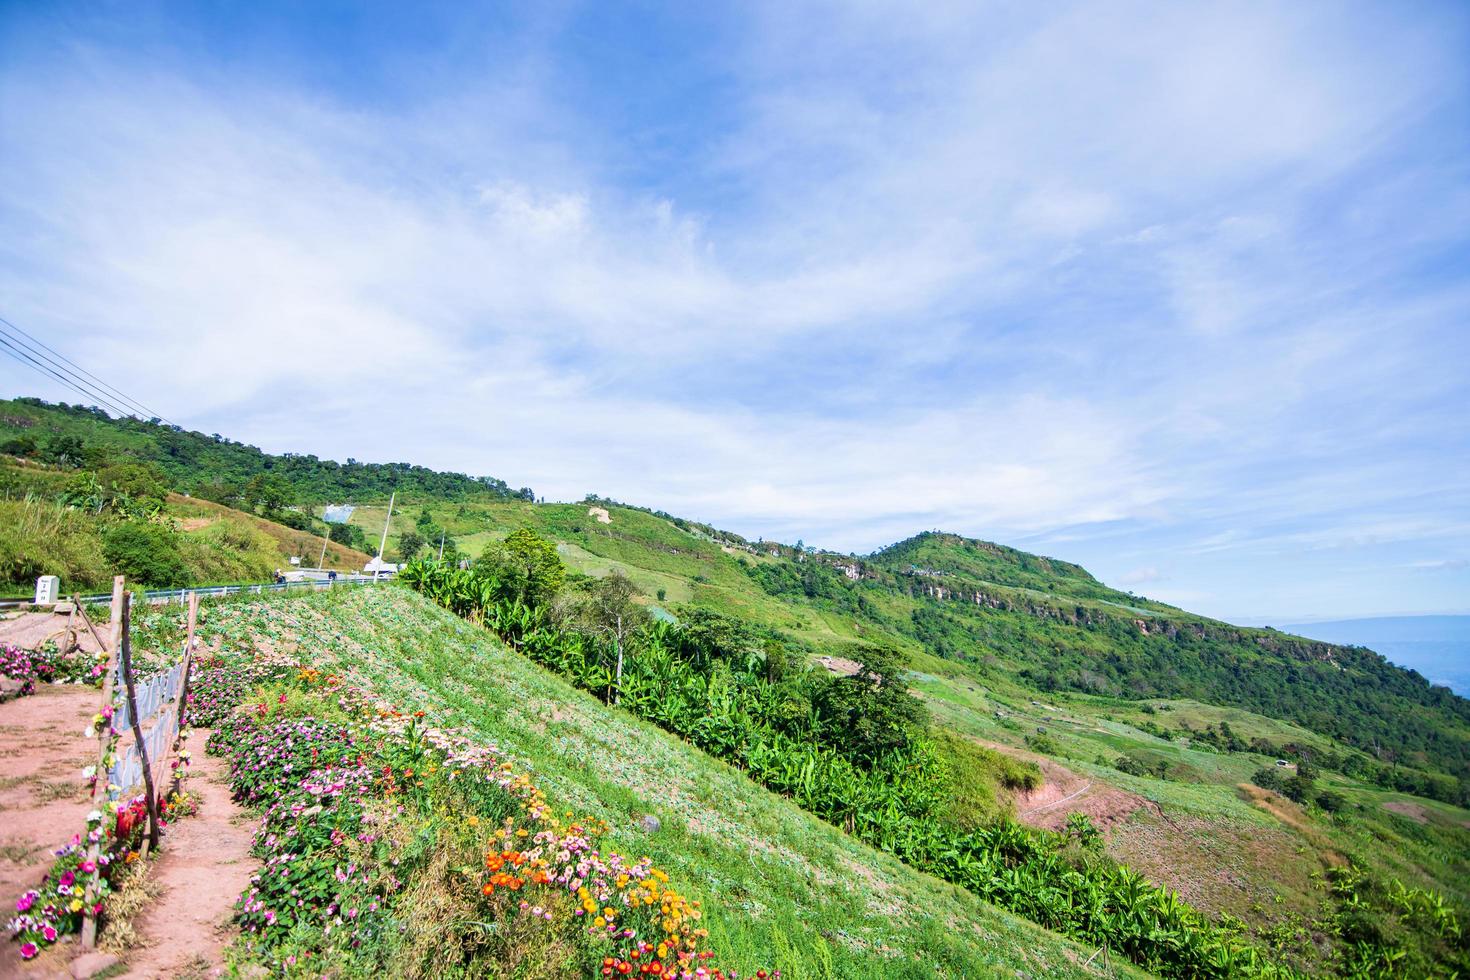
{"x":1436,"y":646}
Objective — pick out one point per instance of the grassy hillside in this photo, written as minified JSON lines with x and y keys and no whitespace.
{"x":1043,"y":624}
{"x":185,"y":541}
{"x":778,"y":886}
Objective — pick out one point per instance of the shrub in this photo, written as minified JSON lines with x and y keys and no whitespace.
{"x":146,"y":553}
{"x":1043,"y":743}
{"x":1299,"y":788}
{"x":1268,"y":778}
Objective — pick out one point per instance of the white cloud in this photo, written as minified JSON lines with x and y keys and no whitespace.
{"x":1077,"y":276}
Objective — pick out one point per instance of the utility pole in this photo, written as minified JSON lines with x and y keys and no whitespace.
{"x":326,"y":536}
{"x":384,"y":542}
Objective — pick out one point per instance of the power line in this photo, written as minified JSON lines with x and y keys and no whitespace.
{"x":19,"y":360}
{"x":20,"y":355}
{"x":52,"y":367}
{"x":79,"y":374}
{"x":132,"y":402}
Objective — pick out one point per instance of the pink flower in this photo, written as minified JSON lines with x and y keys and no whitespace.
{"x":29,"y":950}
{"x":50,"y":933}
{"x":88,"y":867}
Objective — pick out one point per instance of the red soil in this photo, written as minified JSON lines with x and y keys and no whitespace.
{"x":1064,"y":792}
{"x":43,"y":799}
{"x":204,"y":866}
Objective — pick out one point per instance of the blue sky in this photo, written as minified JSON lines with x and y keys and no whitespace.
{"x":1177,"y":291}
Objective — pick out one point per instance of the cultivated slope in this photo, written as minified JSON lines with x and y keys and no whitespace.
{"x":780,"y":886}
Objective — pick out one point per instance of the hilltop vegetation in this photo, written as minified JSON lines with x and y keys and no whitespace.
{"x":87,"y":525}
{"x":216,"y":467}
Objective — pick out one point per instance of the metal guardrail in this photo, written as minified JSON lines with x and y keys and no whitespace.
{"x":166,"y":596}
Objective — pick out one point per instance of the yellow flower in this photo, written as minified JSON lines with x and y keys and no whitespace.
{"x":599,"y":922}
{"x":76,"y":905}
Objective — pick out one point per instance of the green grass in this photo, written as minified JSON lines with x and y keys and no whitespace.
{"x":777,"y":883}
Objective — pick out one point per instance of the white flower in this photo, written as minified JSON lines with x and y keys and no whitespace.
{"x":95,"y":816}
{"x":89,"y":772}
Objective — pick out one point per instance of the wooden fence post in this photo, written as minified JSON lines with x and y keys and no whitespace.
{"x":104,"y":736}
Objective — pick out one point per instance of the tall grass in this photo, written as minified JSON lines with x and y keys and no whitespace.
{"x":40,"y":537}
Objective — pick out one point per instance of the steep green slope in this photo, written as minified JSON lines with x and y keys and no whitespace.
{"x":1004,"y":615}
{"x":778,"y":885}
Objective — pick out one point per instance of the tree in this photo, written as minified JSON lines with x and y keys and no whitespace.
{"x":265,"y":493}
{"x":410,"y":543}
{"x":63,"y":450}
{"x":135,"y":486}
{"x":707,"y":637}
{"x":872,"y":710}
{"x":527,"y":566}
{"x":350,"y":535}
{"x":21,"y":445}
{"x":610,"y":610}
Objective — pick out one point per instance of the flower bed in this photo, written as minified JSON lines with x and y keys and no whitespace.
{"x":376,"y":826}
{"x":57,"y":907}
{"x":217,"y":686}
{"x":17,"y":667}
{"x":27,"y":668}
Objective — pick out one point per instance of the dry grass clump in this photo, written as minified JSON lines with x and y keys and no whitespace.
{"x":443,"y":941}
{"x":134,"y":890}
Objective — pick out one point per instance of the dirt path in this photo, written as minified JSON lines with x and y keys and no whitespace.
{"x":204,"y":866}
{"x":1104,"y":804}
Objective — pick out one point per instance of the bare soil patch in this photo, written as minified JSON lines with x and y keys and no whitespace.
{"x":1064,"y":792}
{"x":31,"y":630}
{"x":841,"y":666}
{"x":43,"y":800}
{"x":1404,"y":808}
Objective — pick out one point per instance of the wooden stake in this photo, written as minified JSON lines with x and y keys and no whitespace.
{"x":94,"y":850}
